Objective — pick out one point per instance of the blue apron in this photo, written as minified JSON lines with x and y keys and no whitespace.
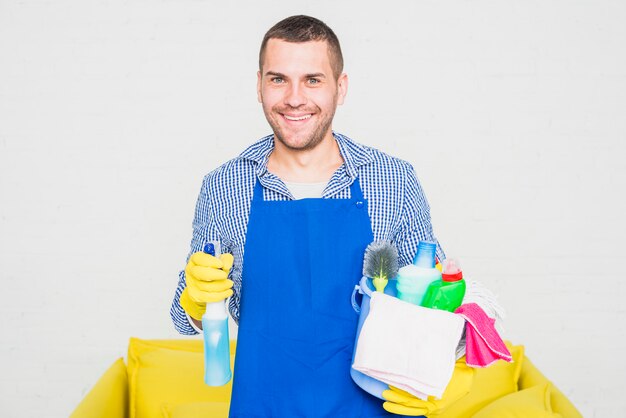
{"x":297,"y":326}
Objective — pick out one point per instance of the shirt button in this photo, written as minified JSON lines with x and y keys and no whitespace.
{"x":359,"y":204}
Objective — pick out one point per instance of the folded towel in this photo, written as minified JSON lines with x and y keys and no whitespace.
{"x":483,"y":344}
{"x":476,"y":292}
{"x":408,"y":346}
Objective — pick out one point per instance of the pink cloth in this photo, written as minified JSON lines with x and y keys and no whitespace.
{"x":483,"y":345}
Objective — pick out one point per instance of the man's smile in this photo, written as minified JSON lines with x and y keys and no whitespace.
{"x":297,"y":118}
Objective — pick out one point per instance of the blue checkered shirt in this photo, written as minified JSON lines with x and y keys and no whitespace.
{"x":397,"y":207}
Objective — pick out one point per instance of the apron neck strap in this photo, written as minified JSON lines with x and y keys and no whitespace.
{"x":355,"y":190}
{"x":258,"y":191}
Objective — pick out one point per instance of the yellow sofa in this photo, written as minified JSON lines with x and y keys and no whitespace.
{"x":164,"y":379}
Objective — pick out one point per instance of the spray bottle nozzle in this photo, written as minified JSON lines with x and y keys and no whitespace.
{"x":209,"y":248}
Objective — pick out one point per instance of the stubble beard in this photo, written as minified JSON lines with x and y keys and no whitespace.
{"x":313,"y":139}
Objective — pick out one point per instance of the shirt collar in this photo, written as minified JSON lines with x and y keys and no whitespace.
{"x":354,"y":155}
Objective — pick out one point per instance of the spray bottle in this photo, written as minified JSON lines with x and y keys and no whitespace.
{"x":414,"y":279}
{"x":216,"y":341}
{"x":446,"y":294}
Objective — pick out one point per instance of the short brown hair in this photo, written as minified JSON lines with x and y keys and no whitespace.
{"x":302,"y":28}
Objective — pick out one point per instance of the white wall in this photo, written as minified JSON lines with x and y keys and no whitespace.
{"x":112,"y":111}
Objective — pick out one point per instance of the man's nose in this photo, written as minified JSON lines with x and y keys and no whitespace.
{"x":295,"y":96}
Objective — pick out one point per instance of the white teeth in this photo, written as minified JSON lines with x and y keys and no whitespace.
{"x":299,"y":118}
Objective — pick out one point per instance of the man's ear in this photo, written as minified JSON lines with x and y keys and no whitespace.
{"x":342,"y":88}
{"x":258,"y":87}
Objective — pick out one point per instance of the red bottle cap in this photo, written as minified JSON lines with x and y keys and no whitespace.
{"x":454,"y":277}
{"x":451,"y":270}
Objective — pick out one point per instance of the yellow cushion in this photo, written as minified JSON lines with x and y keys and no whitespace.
{"x":167,"y":373}
{"x":109,"y":397}
{"x":489,"y":383}
{"x":197,"y":410}
{"x":527,"y":403}
{"x":531,"y":376}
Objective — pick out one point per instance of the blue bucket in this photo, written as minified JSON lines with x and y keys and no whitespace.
{"x":366,"y":287}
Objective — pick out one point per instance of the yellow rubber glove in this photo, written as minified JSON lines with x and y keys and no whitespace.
{"x":207,"y":282}
{"x":403,"y":403}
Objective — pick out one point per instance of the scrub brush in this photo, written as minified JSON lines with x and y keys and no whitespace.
{"x":380,"y":263}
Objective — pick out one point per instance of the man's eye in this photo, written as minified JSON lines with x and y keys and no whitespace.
{"x":313,"y":81}
{"x":277,"y":80}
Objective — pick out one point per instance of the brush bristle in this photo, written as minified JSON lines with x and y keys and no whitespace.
{"x":381,"y":260}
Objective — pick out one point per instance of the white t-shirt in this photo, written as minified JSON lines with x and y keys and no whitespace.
{"x":306,"y":190}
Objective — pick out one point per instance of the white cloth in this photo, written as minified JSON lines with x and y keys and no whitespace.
{"x":408,"y":346}
{"x":476,"y":292}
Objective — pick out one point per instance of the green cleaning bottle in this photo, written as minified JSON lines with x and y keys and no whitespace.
{"x":446,"y":294}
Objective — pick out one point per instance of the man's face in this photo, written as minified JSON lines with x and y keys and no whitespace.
{"x":299,"y":93}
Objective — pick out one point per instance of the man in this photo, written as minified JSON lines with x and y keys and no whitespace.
{"x":294,"y":214}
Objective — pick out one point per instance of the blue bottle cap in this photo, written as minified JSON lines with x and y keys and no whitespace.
{"x":425,"y":256}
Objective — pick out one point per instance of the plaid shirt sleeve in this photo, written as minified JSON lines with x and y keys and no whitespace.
{"x":204,"y":230}
{"x":415,"y":220}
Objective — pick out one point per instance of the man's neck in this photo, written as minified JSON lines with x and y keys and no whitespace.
{"x":305,"y":166}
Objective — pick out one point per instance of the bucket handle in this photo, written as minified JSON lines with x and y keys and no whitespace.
{"x":363,"y":289}
{"x":355,"y":305}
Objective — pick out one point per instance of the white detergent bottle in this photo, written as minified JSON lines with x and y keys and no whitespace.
{"x":216,"y":341}
{"x":413,"y":280}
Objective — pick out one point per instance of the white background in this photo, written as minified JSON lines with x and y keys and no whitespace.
{"x":513,"y":113}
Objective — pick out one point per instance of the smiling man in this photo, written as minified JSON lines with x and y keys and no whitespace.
{"x":300,"y":104}
{"x":294,"y":214}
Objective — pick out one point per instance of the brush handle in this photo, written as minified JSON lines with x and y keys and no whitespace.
{"x":380,"y":283}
